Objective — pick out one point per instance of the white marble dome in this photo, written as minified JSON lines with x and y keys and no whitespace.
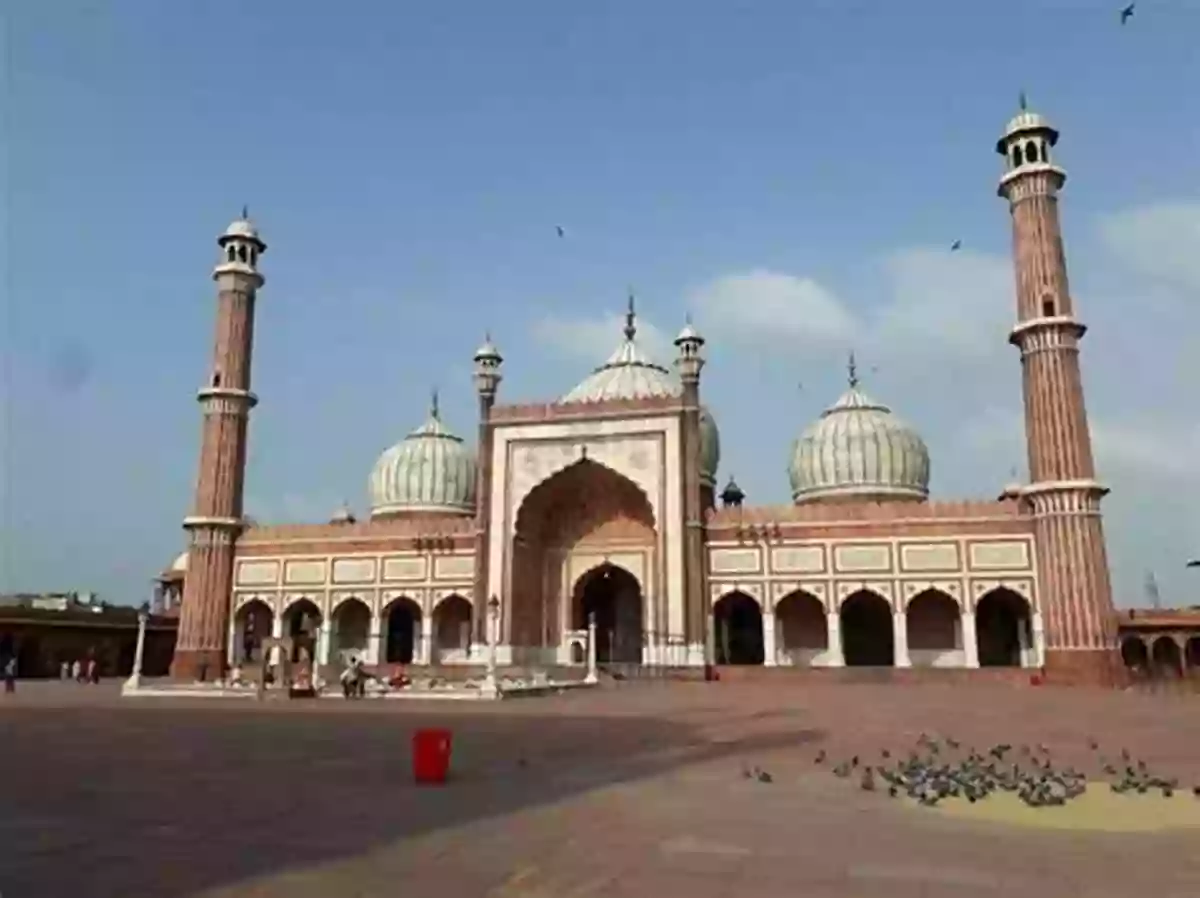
{"x":430,"y":470}
{"x":631,"y":374}
{"x":858,"y":449}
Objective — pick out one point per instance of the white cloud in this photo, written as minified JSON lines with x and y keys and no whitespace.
{"x":768,"y":307}
{"x":1160,"y":242}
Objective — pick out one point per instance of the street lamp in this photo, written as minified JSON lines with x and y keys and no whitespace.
{"x":135,"y":678}
{"x":490,"y":688}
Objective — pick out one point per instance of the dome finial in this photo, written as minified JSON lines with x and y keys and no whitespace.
{"x":245,"y":212}
{"x":630,"y":319}
{"x":852,"y":371}
{"x":434,"y":411}
{"x":1023,"y":101}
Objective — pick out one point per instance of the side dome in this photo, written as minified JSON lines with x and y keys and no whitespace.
{"x":858,"y":449}
{"x":630,"y":374}
{"x":430,"y":470}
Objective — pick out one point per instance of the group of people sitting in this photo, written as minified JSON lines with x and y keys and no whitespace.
{"x":355,"y":676}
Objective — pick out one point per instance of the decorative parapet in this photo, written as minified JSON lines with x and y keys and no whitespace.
{"x":418,"y":528}
{"x":535,"y":412}
{"x":865,"y":512}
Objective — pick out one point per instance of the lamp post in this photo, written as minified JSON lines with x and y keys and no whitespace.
{"x":135,"y":678}
{"x":490,"y":688}
{"x":591,"y":677}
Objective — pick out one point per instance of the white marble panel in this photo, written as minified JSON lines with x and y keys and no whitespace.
{"x":734,"y":561}
{"x":354,"y":570}
{"x":925,"y":557}
{"x":405,"y":567}
{"x":297,"y":573}
{"x":453,"y":567}
{"x":1000,"y":555}
{"x":866,"y":558}
{"x":798,"y":559}
{"x":257,"y":573}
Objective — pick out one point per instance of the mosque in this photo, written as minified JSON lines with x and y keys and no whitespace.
{"x":604,"y":505}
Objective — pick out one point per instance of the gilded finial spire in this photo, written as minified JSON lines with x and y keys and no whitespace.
{"x":245,"y":212}
{"x":434,"y":411}
{"x":630,"y":319}
{"x":852,"y":371}
{"x":1023,"y":100}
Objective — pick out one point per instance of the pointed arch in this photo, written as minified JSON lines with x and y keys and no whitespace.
{"x":933,"y":628}
{"x":867,"y":627}
{"x":738,"y":629}
{"x":1003,"y":628}
{"x":351,"y":631}
{"x":1166,"y":657}
{"x":1135,"y":655}
{"x":302,"y":623}
{"x":592,"y":456}
{"x":402,"y":637}
{"x":801,"y":628}
{"x":612,"y":596}
{"x":452,"y":628}
{"x":254,"y":621}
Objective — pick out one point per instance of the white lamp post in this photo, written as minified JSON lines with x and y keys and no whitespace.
{"x":490,"y":688}
{"x":591,"y":676}
{"x":135,"y":678}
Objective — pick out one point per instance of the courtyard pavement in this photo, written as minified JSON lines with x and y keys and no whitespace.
{"x":632,"y":790}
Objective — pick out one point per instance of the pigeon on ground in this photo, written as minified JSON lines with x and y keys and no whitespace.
{"x":820,"y":758}
{"x":764,"y":777}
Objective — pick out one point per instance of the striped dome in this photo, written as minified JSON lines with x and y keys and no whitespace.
{"x":631,"y":374}
{"x":430,"y":470}
{"x":858,"y":449}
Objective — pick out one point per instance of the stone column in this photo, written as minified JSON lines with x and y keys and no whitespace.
{"x":833,"y":627}
{"x":276,"y":633}
{"x":487,"y":379}
{"x":135,"y":676}
{"x":769,"y":654}
{"x":970,"y":639}
{"x":426,"y":654}
{"x":1039,"y":641}
{"x":900,"y":640}
{"x":324,"y":646}
{"x":375,"y":652}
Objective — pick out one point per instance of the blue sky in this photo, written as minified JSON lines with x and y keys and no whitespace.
{"x":790,"y":173}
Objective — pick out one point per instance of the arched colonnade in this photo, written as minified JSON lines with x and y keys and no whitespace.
{"x":866,"y":630}
{"x":1161,"y":656}
{"x":399,"y":631}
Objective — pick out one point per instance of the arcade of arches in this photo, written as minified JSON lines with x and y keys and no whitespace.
{"x":585,"y":511}
{"x":865,"y":631}
{"x":399,"y":634}
{"x":1161,"y":656}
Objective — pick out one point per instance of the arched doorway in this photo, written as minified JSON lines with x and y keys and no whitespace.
{"x":1003,"y":628}
{"x":867,"y":637}
{"x":403,"y":631}
{"x":933,"y":629}
{"x":302,"y":623}
{"x":351,"y":631}
{"x":1135,"y":655}
{"x":452,"y":628}
{"x":614,"y":596}
{"x":252,"y":624}
{"x":801,"y":628}
{"x":1166,"y":657}
{"x":1191,"y":654}
{"x":584,"y":510}
{"x":738,"y":630}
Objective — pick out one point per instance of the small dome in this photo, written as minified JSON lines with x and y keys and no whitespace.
{"x":487,"y":351}
{"x":859,"y":449}
{"x":179,"y":565}
{"x":630,"y":374}
{"x":688,"y":334}
{"x":242,"y":228}
{"x":430,"y":470}
{"x":1025,"y":122}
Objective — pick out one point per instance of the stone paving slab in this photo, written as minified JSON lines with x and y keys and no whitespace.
{"x":630,"y":791}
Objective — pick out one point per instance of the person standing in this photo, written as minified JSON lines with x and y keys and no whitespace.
{"x":10,"y":674}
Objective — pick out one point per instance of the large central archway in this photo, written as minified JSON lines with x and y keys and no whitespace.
{"x":612,"y":595}
{"x":585,"y":510}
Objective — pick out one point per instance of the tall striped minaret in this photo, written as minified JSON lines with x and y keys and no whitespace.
{"x":216,"y":520}
{"x":1063,"y":493}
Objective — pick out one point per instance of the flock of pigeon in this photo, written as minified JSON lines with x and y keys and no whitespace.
{"x":935,"y":770}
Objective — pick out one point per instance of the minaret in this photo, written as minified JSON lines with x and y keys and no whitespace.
{"x":487,"y":380}
{"x":1063,"y":493}
{"x":689,"y":362}
{"x":216,"y":519}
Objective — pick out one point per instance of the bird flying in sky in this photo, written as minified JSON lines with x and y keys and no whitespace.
{"x":560,"y":230}
{"x":1127,"y":13}
{"x":955,"y":246}
{"x":1195,"y":563}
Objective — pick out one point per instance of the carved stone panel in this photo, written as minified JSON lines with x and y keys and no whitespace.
{"x":798,"y":559}
{"x":734,"y":561}
{"x":404,"y":567}
{"x":862,"y":558}
{"x":1000,"y":555}
{"x":354,"y":570}
{"x":454,"y":567}
{"x":928,"y":557}
{"x":304,"y":572}
{"x":257,"y":573}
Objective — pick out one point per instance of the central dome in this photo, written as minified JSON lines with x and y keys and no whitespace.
{"x":858,"y":449}
{"x":630,"y":374}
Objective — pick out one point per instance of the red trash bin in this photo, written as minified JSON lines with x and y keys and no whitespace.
{"x":431,"y":756}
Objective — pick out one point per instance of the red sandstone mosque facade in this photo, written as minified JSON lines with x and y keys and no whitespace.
{"x":604,"y":504}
